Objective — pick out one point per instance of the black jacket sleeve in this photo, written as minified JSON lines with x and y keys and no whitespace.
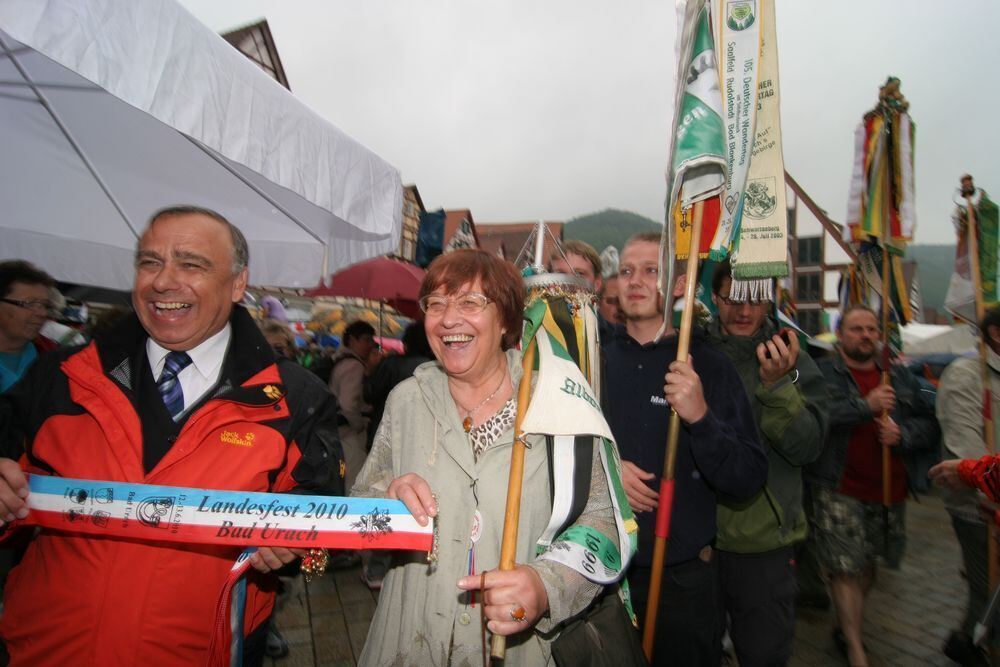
{"x":314,"y":431}
{"x":26,"y":405}
{"x":918,"y":425}
{"x":725,"y":444}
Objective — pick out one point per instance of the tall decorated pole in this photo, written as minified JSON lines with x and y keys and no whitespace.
{"x":973,"y":289}
{"x":557,"y":398}
{"x":696,"y":179}
{"x":881,"y":220}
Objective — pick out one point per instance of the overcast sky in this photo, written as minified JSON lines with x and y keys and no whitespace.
{"x":522,"y":110}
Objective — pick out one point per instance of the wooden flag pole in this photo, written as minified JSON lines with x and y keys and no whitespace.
{"x":886,"y":232}
{"x":508,"y":544}
{"x":665,"y":505}
{"x":886,"y":380}
{"x":987,"y":407}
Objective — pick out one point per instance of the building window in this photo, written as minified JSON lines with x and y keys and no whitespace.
{"x":408,"y":241}
{"x":810,"y":251}
{"x":811,"y":321}
{"x":808,"y":287}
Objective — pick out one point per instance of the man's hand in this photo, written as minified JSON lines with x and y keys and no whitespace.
{"x":267,"y":559}
{"x":416,"y":494}
{"x":946,"y":474}
{"x":683,"y":391}
{"x":776,"y":358}
{"x":640,"y":496}
{"x":888,"y":432}
{"x":881,"y":399}
{"x":13,"y":491}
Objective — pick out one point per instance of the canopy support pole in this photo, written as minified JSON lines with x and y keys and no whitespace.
{"x":263,"y":195}
{"x":44,"y":101}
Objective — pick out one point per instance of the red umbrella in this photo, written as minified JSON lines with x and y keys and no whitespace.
{"x":381,"y":279}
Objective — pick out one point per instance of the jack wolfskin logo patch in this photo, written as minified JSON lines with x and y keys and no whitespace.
{"x":234,"y":438}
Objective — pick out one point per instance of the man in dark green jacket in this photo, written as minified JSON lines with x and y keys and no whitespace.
{"x":756,"y":537}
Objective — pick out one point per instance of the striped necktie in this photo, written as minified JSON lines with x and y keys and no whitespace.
{"x":168,"y":385}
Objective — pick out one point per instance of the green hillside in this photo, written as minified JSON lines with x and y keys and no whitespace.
{"x":608,"y":227}
{"x":934,"y":266}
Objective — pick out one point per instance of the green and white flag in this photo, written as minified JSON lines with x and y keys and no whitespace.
{"x":696,"y":163}
{"x":960,"y":300}
{"x":564,"y":407}
{"x":738,"y":43}
{"x":760,"y":245}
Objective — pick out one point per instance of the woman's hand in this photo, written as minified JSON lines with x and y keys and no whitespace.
{"x":510,"y":594}
{"x":416,"y":494}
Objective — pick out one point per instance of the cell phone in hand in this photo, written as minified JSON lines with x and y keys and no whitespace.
{"x":786,"y":336}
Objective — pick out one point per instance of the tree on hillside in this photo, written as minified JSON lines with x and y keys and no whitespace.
{"x":608,"y":227}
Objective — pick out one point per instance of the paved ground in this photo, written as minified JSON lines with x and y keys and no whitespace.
{"x":911,"y":610}
{"x":909,"y":613}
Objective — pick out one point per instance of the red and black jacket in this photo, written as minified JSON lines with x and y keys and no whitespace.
{"x":88,"y":413}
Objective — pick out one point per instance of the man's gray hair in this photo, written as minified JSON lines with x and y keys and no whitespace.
{"x":241,"y":252}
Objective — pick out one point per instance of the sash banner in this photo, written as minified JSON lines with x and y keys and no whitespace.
{"x":236,"y":518}
{"x":738,"y":44}
{"x":760,"y":250}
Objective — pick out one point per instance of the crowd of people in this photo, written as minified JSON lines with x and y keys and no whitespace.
{"x":780,"y":460}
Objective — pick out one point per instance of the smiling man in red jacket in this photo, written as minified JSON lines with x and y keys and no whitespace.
{"x":186,"y":393}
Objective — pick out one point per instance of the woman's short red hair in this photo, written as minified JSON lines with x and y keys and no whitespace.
{"x":500,"y":280}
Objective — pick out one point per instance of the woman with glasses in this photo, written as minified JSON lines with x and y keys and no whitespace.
{"x":444,"y":448}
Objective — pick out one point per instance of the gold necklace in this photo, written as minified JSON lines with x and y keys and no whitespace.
{"x":467,"y":422}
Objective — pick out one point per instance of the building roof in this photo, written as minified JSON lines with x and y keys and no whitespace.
{"x":507,"y":239}
{"x":416,"y":194}
{"x":256,"y":43}
{"x":453,"y":218}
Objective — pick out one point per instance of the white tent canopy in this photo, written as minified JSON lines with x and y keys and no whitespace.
{"x":149,"y":108}
{"x":937,"y":338}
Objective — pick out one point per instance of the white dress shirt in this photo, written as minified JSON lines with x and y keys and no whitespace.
{"x":202,"y":373}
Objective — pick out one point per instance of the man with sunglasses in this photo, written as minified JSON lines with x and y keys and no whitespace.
{"x":25,"y":305}
{"x":756,"y":536}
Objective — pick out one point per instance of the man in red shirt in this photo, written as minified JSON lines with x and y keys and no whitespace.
{"x":865,"y":413}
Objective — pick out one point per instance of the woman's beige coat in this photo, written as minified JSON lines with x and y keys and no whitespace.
{"x":422,"y":617}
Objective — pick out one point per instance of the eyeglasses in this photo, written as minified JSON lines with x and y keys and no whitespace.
{"x":31,"y":304}
{"x":731,"y":302}
{"x":469,"y":303}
